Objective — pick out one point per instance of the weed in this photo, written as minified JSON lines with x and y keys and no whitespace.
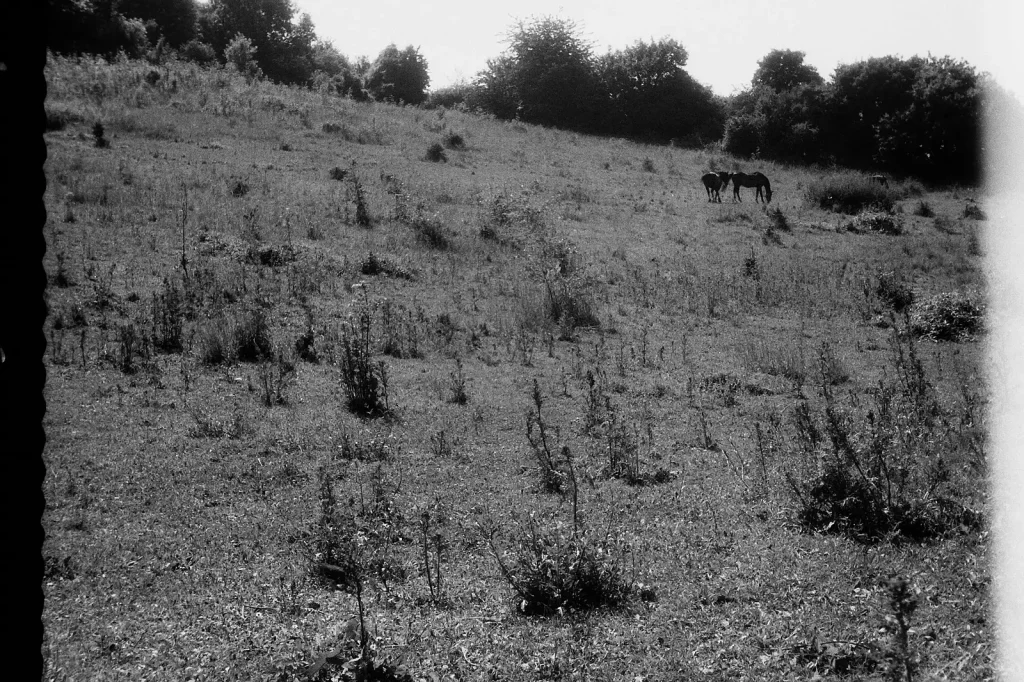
{"x":648,"y":165}
{"x":275,"y":377}
{"x":365,"y":381}
{"x":432,"y":544}
{"x":400,"y":337}
{"x":61,"y":278}
{"x":131,"y":348}
{"x":98,"y":139}
{"x":363,"y":218}
{"x":376,"y":448}
{"x":251,"y":337}
{"x":924,"y":209}
{"x":554,"y":465}
{"x":168,"y":310}
{"x":569,"y":304}
{"x":778,"y":220}
{"x":886,"y":474}
{"x":974,"y":212}
{"x":375,"y":264}
{"x":750,"y":266}
{"x":457,"y":385}
{"x":338,"y":173}
{"x":902,"y":664}
{"x":443,"y":445}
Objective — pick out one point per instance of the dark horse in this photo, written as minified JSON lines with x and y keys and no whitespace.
{"x":714,"y":183}
{"x":757,"y":180}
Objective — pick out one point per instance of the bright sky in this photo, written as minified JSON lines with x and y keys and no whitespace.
{"x":725,"y":40}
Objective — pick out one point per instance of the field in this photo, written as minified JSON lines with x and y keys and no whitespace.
{"x":533,"y":409}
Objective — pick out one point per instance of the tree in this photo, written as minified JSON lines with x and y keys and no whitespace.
{"x":784,"y":70}
{"x":399,"y":76}
{"x":175,"y":19}
{"x":241,"y":54}
{"x":649,"y":94}
{"x":267,"y":23}
{"x":545,"y":76}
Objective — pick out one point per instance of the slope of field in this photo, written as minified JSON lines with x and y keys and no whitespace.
{"x":233,"y":251}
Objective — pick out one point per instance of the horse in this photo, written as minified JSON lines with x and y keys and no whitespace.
{"x":714,"y":183}
{"x":757,"y":180}
{"x":880,"y":180}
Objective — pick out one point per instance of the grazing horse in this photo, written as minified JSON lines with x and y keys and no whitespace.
{"x":757,"y":180}
{"x":880,"y":180}
{"x":714,"y":183}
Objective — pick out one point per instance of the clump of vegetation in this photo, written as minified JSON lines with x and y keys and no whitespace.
{"x":453,"y":140}
{"x":558,"y":568}
{"x":648,"y":165}
{"x":58,"y":118}
{"x":168,"y":309}
{"x":374,"y":448}
{"x":885,"y":472}
{"x":554,"y":464}
{"x":431,"y":231}
{"x":252,"y":338}
{"x":239,"y":188}
{"x":924,"y":209}
{"x":435,"y":153}
{"x":338,"y":173}
{"x":569,"y":304}
{"x":874,"y":221}
{"x":375,"y":264}
{"x":275,"y":378}
{"x":98,"y":136}
{"x":951,"y":316}
{"x":974,"y":212}
{"x":849,"y":193}
{"x":894,"y":292}
{"x":777,"y":220}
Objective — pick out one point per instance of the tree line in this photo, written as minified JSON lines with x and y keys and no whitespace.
{"x":919,"y":116}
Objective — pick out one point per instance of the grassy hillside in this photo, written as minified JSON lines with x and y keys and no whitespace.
{"x":540,"y":408}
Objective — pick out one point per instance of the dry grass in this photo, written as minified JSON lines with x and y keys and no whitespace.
{"x":184,"y":499}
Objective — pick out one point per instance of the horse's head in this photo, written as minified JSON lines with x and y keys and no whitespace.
{"x":724,"y":177}
{"x":768,"y":194}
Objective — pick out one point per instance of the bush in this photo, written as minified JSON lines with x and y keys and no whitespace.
{"x":431,"y":231}
{"x":450,"y":97}
{"x":435,"y":153}
{"x":974,"y":212}
{"x":58,"y":118}
{"x":849,"y":193}
{"x":894,"y":292}
{"x":454,"y":140}
{"x":252,"y":340}
{"x":948,"y":317}
{"x":777,"y":220}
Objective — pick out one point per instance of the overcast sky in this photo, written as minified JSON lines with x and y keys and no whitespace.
{"x":725,"y":40}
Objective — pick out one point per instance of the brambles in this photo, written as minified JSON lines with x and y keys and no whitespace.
{"x":951,"y":316}
{"x":886,"y":223}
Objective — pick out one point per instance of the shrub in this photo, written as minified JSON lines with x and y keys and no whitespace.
{"x":569,"y":304}
{"x":435,"y":153}
{"x":950,"y":316}
{"x":850,"y":194}
{"x":894,"y":292}
{"x":974,"y":212}
{"x":431,"y":231}
{"x":241,"y":54}
{"x":556,"y":472}
{"x":275,"y":377}
{"x":454,"y":140}
{"x":648,"y":165}
{"x":557,"y":568}
{"x":381,"y":265}
{"x":98,"y":139}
